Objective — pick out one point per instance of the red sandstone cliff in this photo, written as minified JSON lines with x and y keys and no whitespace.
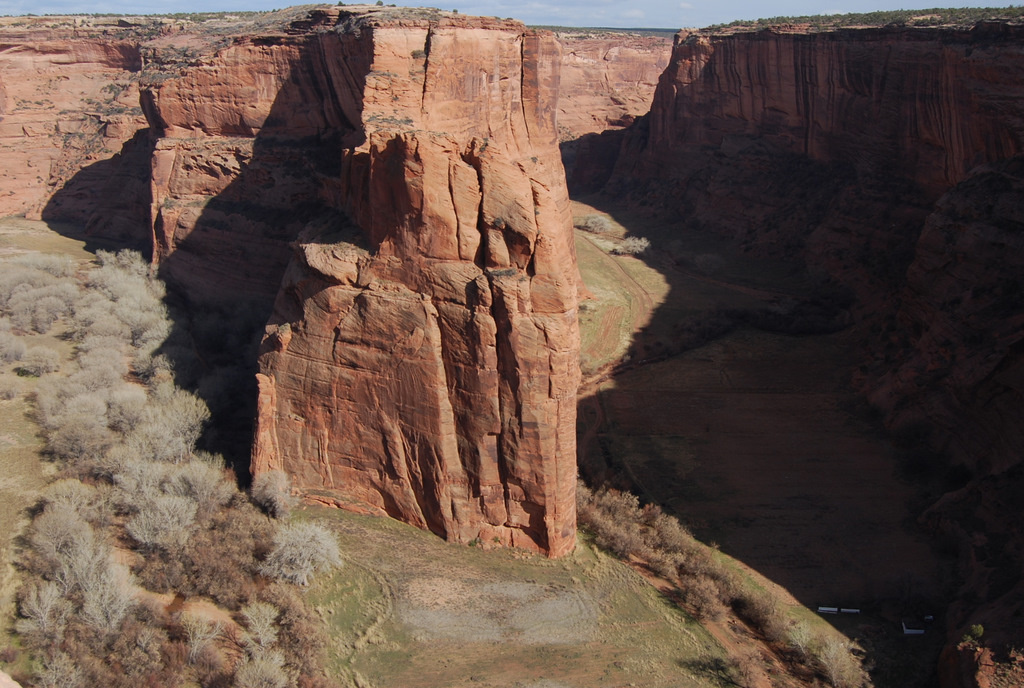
{"x":422,"y":355}
{"x":399,"y":170}
{"x":69,"y":99}
{"x":608,"y":79}
{"x":889,"y":160}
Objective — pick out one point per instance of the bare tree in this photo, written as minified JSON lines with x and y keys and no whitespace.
{"x":39,"y":360}
{"x":60,"y":671}
{"x":261,"y":623}
{"x":596,"y":224}
{"x":801,"y":638}
{"x":272,"y":491}
{"x":262,"y":672}
{"x":632,"y":246}
{"x":301,"y":549}
{"x":201,"y":482}
{"x":11,"y":348}
{"x":107,"y":595}
{"x":44,"y":611}
{"x":199,"y":633}
{"x":163,"y":521}
{"x":837,"y":663}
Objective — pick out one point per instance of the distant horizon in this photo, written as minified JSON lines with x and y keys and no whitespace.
{"x":605,"y":14}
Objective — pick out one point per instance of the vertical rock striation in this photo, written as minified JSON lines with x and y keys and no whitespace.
{"x":422,"y":356}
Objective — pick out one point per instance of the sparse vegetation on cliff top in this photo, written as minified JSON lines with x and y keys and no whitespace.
{"x":956,"y":17}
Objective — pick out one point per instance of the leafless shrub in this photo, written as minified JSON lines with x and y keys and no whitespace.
{"x":595,"y":224}
{"x":837,"y":663}
{"x":152,"y":368}
{"x":44,"y":612}
{"x":100,"y":369}
{"x":266,"y":671}
{"x":92,"y":318}
{"x":15,"y":279}
{"x":272,"y":492}
{"x":53,"y":264}
{"x":201,"y":482}
{"x":79,"y":436}
{"x":761,"y":610}
{"x":704,"y":598}
{"x":136,"y":480}
{"x":300,"y":550}
{"x":10,"y":388}
{"x":301,"y":636}
{"x":632,"y":246}
{"x":174,"y":421}
{"x":60,"y":671}
{"x":107,"y":596}
{"x":11,"y":348}
{"x":39,"y":360}
{"x":56,"y":534}
{"x":76,"y":497}
{"x":261,"y":624}
{"x":138,"y":650}
{"x":800,"y":638}
{"x":199,"y":633}
{"x":163,"y":521}
{"x":126,"y":408}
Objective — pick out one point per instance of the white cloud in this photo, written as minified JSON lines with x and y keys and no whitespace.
{"x":686,"y":5}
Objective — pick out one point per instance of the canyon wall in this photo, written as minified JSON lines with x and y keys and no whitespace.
{"x":69,"y":101}
{"x":835,"y":147}
{"x":399,"y":169}
{"x":888,"y":160}
{"x":390,"y":180}
{"x":608,"y":81}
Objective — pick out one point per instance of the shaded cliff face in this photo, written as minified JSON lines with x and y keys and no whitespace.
{"x":607,"y":82}
{"x":831,"y":146}
{"x":421,"y":360}
{"x":888,"y":160}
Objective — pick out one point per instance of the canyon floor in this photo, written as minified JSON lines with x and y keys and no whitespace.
{"x":25,"y":471}
{"x":694,"y":431}
{"x":754,"y":439}
{"x":411,"y":610}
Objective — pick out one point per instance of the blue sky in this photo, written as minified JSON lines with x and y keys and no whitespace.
{"x":637,"y":13}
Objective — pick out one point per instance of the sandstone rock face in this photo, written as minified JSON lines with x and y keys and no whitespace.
{"x":890,"y":161}
{"x":67,"y":102}
{"x":961,"y":314}
{"x":831,"y":145}
{"x":422,"y":356}
{"x":608,"y":79}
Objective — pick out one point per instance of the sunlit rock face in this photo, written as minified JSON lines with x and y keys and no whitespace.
{"x":400,"y":171}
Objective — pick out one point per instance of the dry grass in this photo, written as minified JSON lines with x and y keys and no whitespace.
{"x":411,"y":610}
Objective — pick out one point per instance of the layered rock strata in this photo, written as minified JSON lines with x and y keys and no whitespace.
{"x":422,"y":356}
{"x":608,"y":81}
{"x":68,"y":103}
{"x":888,"y":160}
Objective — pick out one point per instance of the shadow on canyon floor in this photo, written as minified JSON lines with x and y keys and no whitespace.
{"x":733,"y":409}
